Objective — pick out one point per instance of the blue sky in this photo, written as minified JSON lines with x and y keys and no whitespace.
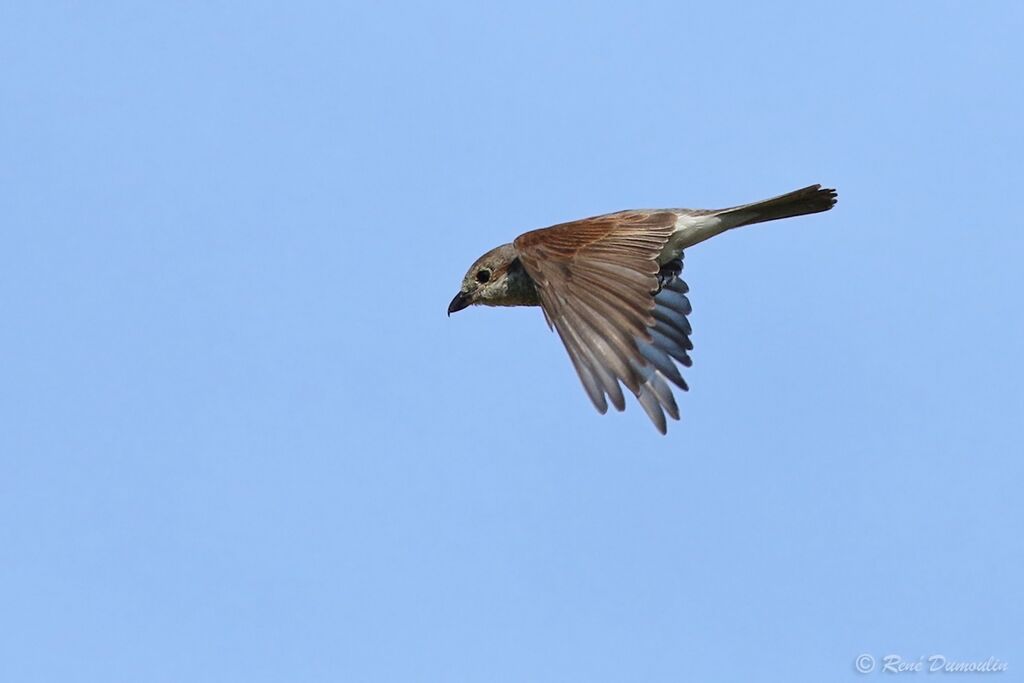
{"x":242,"y":441}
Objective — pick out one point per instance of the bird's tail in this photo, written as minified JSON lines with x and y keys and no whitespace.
{"x":811,"y":199}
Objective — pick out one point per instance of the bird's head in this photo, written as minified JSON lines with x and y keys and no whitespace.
{"x":496,"y":279}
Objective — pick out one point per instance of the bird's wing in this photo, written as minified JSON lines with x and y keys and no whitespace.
{"x":621,"y":315}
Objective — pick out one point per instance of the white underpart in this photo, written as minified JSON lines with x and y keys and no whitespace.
{"x":692,"y":229}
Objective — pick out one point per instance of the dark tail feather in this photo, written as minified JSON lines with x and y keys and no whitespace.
{"x":811,"y":199}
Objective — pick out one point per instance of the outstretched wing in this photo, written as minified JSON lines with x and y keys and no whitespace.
{"x":621,"y":315}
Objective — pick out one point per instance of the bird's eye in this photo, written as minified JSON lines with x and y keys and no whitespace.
{"x":483,"y":276}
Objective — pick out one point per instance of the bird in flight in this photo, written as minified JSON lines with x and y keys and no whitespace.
{"x":611,"y":287}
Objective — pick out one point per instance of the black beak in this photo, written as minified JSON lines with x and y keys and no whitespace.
{"x":461,"y":300}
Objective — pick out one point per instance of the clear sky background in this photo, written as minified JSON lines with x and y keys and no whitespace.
{"x":241,"y":441}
